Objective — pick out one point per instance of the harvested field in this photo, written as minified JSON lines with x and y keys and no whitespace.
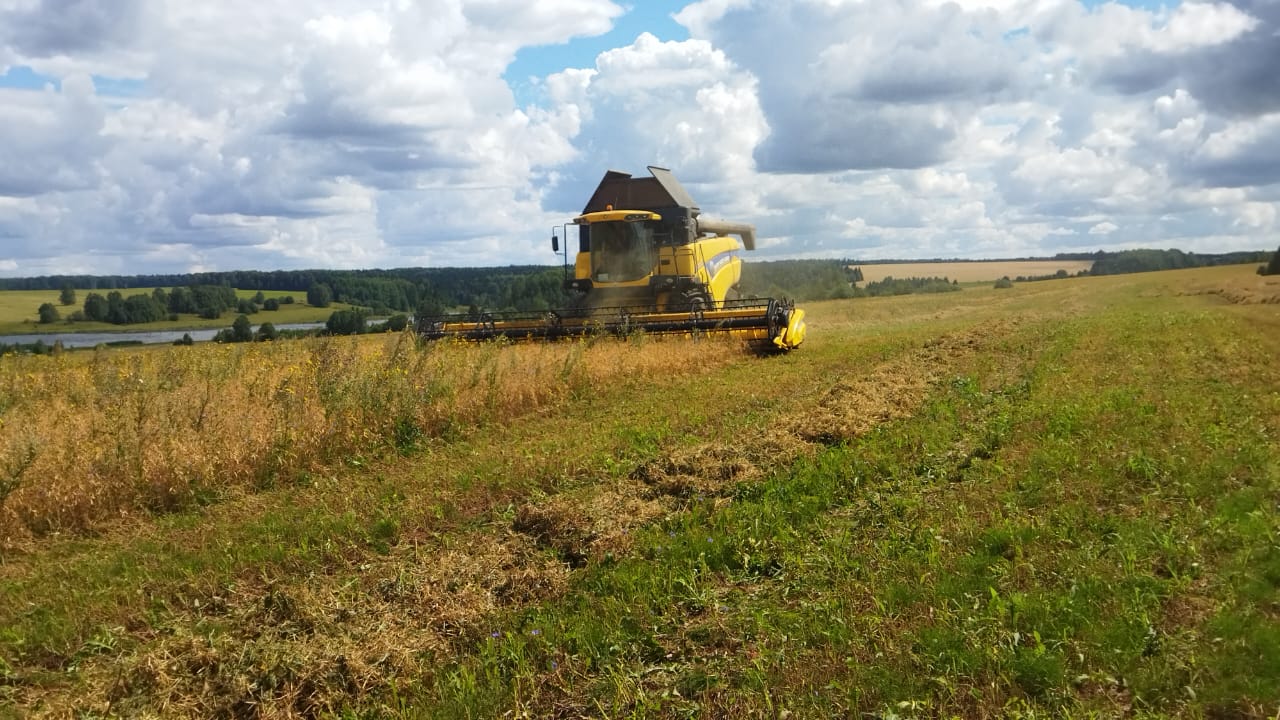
{"x":989,"y":503}
{"x":976,"y":271}
{"x":1240,"y":288}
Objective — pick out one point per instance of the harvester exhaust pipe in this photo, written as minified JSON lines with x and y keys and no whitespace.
{"x":745,"y":231}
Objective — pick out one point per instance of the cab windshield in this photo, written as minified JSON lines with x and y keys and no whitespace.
{"x":622,"y":251}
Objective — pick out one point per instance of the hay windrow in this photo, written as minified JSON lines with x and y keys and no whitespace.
{"x":851,"y":407}
{"x":586,"y":525}
{"x":307,"y":648}
{"x":712,"y":469}
{"x":1237,"y":289}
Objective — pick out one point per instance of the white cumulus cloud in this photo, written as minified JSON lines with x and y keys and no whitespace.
{"x":173,"y":135}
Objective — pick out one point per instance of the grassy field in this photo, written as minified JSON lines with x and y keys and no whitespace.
{"x":18,"y":313}
{"x":1061,"y":499}
{"x":977,"y":271}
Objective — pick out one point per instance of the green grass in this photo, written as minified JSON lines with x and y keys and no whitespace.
{"x":18,"y":314}
{"x":1076,"y":517}
{"x":1047,"y":575}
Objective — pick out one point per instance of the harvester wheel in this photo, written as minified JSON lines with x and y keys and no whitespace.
{"x":698,"y":301}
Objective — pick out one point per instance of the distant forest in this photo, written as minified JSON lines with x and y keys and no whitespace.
{"x":538,"y":287}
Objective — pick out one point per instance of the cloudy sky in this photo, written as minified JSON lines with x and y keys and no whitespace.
{"x":168,"y":135}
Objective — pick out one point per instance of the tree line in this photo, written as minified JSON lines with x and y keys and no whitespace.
{"x":906,"y":286}
{"x":800,"y":279}
{"x":341,"y":322}
{"x":1134,"y":261}
{"x":432,"y":291}
{"x":1273,"y":267}
{"x":206,"y":301}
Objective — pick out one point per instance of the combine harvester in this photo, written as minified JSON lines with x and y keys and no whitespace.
{"x":646,"y":262}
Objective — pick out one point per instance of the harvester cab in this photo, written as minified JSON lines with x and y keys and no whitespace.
{"x":646,"y":261}
{"x":643,"y":242}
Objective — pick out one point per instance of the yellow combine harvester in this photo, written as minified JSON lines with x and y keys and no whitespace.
{"x":646,"y":262}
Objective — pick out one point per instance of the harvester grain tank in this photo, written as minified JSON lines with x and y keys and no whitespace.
{"x":646,"y":261}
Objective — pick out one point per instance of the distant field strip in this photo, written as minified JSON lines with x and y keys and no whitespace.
{"x":976,"y":271}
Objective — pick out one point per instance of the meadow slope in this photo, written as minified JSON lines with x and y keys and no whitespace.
{"x":1058,"y":499}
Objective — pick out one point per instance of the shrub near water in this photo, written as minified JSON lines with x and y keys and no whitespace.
{"x":83,"y":439}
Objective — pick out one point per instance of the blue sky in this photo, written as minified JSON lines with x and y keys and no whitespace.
{"x":530,"y":64}
{"x":22,"y":77}
{"x":652,"y":16}
{"x":178,"y":137}
{"x":536,"y":62}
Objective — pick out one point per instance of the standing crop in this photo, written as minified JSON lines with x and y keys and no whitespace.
{"x":89,"y":437}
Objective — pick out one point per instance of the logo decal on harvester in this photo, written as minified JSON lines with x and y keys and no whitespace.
{"x":715,"y":264}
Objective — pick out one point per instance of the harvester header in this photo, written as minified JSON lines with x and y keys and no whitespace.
{"x":646,"y":261}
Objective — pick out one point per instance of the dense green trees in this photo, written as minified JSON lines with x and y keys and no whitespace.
{"x":143,"y":309}
{"x":907,"y":286}
{"x":798,"y":279}
{"x":395,"y":323}
{"x":95,"y":308}
{"x":68,"y":294}
{"x":1273,"y":267}
{"x":207,"y":301}
{"x":48,"y":314}
{"x":266,"y":331}
{"x":356,"y":322}
{"x":1131,"y":261}
{"x":119,"y":310}
{"x":319,"y":295}
{"x":240,"y":331}
{"x":347,"y":322}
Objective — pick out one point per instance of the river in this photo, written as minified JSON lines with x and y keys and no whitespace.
{"x":92,"y":339}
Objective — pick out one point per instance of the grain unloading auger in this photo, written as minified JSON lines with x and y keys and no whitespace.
{"x":646,"y":262}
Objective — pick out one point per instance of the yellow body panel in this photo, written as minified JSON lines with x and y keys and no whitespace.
{"x":711,"y":262}
{"x":793,"y":334}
